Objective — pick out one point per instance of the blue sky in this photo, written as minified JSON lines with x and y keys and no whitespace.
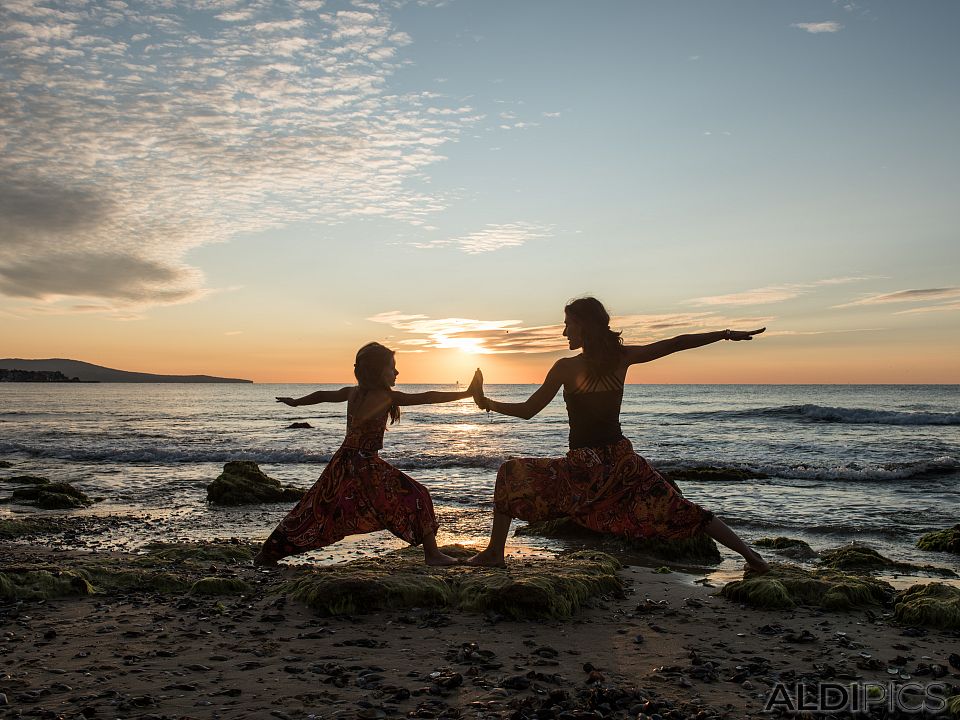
{"x":311,"y":175}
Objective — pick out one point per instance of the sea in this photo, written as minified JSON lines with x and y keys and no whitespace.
{"x":874,"y":464}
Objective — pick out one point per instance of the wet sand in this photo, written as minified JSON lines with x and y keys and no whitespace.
{"x":667,"y":646}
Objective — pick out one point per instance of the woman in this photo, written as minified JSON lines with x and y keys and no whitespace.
{"x":358,"y":492}
{"x":602,"y":483}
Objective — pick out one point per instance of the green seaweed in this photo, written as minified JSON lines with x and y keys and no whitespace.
{"x":18,"y":528}
{"x":953,"y":706}
{"x":942,"y":540}
{"x":30,"y":583}
{"x":224,"y":552}
{"x":543,"y":589}
{"x":787,"y":586}
{"x":107,"y":580}
{"x":219,"y":586}
{"x":933,"y":604}
{"x":697,"y":550}
{"x":242,"y":482}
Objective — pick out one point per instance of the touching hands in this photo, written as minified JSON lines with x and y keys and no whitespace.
{"x":476,"y":390}
{"x":287,"y":401}
{"x":742,"y":334}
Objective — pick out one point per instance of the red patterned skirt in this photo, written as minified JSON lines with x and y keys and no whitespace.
{"x":356,"y":493}
{"x":609,"y":489}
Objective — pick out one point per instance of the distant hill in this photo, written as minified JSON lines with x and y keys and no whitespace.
{"x":88,"y":372}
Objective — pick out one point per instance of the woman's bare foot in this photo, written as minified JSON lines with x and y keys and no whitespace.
{"x":488,"y":558}
{"x":439,"y":559}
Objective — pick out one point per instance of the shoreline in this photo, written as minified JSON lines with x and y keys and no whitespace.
{"x":263,"y":654}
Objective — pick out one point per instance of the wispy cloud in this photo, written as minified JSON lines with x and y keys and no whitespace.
{"x":132,"y":133}
{"x":492,"y":237}
{"x":921,"y":295}
{"x":772,"y":293}
{"x":945,"y":307}
{"x":512,"y":336}
{"x":819,"y":27}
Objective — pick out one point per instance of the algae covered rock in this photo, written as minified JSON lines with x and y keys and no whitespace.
{"x":219,"y":586}
{"x":934,"y":605}
{"x":542,"y":589}
{"x":25,"y":480}
{"x":39,"y":584}
{"x":242,"y":482}
{"x":788,"y":547}
{"x":224,"y":552}
{"x":942,"y":540}
{"x":698,"y":550}
{"x":856,"y":557}
{"x":52,"y":496}
{"x":710,"y":473}
{"x":787,"y":586}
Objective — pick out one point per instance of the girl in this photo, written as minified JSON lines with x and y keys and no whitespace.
{"x":601,"y":483}
{"x":358,"y":492}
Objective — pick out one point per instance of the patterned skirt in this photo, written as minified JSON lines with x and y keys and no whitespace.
{"x":356,"y":493}
{"x":609,"y":489}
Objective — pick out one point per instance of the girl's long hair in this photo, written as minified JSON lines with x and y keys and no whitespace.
{"x":602,"y":347}
{"x":369,"y":367}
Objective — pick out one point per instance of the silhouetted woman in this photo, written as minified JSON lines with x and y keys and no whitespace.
{"x":601,"y":483}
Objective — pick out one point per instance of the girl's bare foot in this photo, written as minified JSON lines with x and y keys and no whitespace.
{"x":439,"y":559}
{"x":488,"y":558}
{"x":260,"y":560}
{"x":756,"y":564}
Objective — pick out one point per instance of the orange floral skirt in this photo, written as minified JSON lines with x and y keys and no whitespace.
{"x":609,"y":489}
{"x":356,"y":493}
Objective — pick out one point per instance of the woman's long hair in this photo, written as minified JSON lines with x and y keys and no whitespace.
{"x":602,"y":347}
{"x":372,"y":361}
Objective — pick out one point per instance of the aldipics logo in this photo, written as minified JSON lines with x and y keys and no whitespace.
{"x":909,"y":698}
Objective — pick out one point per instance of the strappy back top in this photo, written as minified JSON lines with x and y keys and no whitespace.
{"x":593,"y":410}
{"x":366,"y":435}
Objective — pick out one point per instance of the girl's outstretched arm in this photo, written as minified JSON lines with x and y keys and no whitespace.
{"x":535,"y":403}
{"x":320,"y":396}
{"x":438,"y":396}
{"x":646,"y":353}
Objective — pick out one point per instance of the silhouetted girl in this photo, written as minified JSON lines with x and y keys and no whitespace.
{"x":357,"y":491}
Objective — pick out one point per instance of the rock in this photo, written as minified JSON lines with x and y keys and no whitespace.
{"x":219,"y":586}
{"x":35,"y":584}
{"x":242,"y":482}
{"x":52,"y":496}
{"x":932,"y":605}
{"x":942,"y":540}
{"x":787,"y":586}
{"x":223,"y":552}
{"x":710,"y":473}
{"x":698,"y":550}
{"x":860,"y":557}
{"x":25,"y":479}
{"x":300,"y":426}
{"x":788,"y":547}
{"x":545,"y":589}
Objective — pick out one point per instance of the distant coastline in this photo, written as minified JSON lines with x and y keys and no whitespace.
{"x":76,"y":371}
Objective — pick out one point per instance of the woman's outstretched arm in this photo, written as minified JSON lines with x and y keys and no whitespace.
{"x":646,"y":353}
{"x":532,"y":405}
{"x":439,"y":396}
{"x":320,"y":396}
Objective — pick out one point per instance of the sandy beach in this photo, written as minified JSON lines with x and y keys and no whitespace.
{"x":666,"y":646}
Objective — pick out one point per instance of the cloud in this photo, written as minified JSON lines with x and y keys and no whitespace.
{"x":490,"y":337}
{"x":819,"y":27}
{"x":772,"y":293}
{"x":492,"y":237}
{"x":132,"y":133}
{"x":931,"y":308}
{"x":899,"y":296}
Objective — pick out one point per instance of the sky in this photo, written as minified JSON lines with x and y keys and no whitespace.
{"x":256,"y":189}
